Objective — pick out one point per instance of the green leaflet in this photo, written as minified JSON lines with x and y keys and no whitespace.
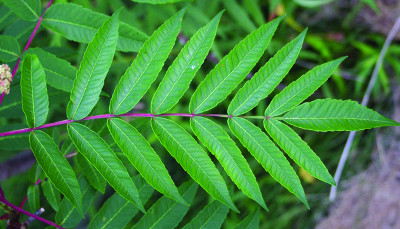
{"x":67,"y":215}
{"x":94,"y":67}
{"x":51,"y":194}
{"x":335,"y":115}
{"x":189,"y":154}
{"x":228,"y":154}
{"x":298,"y":150}
{"x":35,"y":101}
{"x":146,"y":66}
{"x":167,"y":213}
{"x":9,"y":49}
{"x":268,"y":155}
{"x":117,"y":212}
{"x":56,"y":167}
{"x":91,"y":174}
{"x":60,"y":73}
{"x":251,"y":221}
{"x":211,"y":216}
{"x":143,"y":157}
{"x":26,"y":9}
{"x":33,"y":197}
{"x":184,"y":68}
{"x":302,"y":88}
{"x":267,"y":78}
{"x":232,"y":69}
{"x":99,"y":154}
{"x":81,"y":24}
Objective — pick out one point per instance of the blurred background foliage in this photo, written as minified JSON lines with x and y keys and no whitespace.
{"x":335,"y":28}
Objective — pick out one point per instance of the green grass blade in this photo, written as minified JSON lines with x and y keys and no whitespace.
{"x":67,"y":215}
{"x":268,"y":155}
{"x":228,"y":154}
{"x":335,"y":115}
{"x":91,"y":174}
{"x":80,"y":24}
{"x":60,"y":73}
{"x":232,"y":69}
{"x":211,"y":216}
{"x":93,"y":69}
{"x":99,"y":154}
{"x":117,"y":212}
{"x":146,"y":66}
{"x":35,"y":101}
{"x":25,"y":9}
{"x":267,"y":78}
{"x":251,"y":221}
{"x":298,"y":150}
{"x":302,"y":88}
{"x":184,"y":68}
{"x":9,"y":49}
{"x":143,"y":157}
{"x":56,"y":167}
{"x":167,"y":213}
{"x":189,"y":154}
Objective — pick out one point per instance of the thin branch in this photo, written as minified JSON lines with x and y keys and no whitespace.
{"x":29,"y":214}
{"x":350,"y":139}
{"x":27,"y":45}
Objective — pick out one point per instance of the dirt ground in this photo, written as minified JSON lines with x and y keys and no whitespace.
{"x":372,"y":198}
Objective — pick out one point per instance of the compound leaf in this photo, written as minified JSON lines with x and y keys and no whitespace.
{"x":267,"y":78}
{"x":228,"y":154}
{"x":189,"y":154}
{"x":335,"y":115}
{"x":184,"y":68}
{"x":211,"y":216}
{"x":35,"y":101}
{"x":302,"y":88}
{"x":93,"y":69}
{"x":99,"y":154}
{"x":146,"y":66}
{"x":80,"y":24}
{"x":167,"y":213}
{"x":143,"y":157}
{"x":268,"y":155}
{"x":298,"y":150}
{"x":232,"y":69}
{"x":56,"y":167}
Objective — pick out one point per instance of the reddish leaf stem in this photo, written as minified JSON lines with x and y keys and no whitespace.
{"x":144,"y":115}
